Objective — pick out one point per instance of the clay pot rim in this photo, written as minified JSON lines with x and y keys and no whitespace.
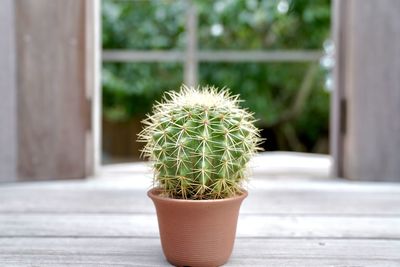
{"x":152,"y":193}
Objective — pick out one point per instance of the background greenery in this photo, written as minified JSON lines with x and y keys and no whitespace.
{"x":269,"y":89}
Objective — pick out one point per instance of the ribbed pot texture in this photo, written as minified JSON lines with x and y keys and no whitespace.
{"x":197,"y":233}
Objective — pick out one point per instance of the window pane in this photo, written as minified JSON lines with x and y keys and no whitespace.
{"x":265,"y":24}
{"x":129,"y":91}
{"x":139,"y":24}
{"x":271,"y":91}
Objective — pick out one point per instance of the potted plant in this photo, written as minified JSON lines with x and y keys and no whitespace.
{"x":200,"y":142}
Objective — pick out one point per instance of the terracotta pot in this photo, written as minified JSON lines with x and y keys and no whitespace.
{"x":197,"y":233}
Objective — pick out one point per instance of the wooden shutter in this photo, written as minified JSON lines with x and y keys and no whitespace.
{"x":48,"y":129}
{"x":366,"y":103}
{"x":8,"y":94}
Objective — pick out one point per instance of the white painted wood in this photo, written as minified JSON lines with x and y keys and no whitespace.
{"x":92,"y":85}
{"x":247,"y":252}
{"x":211,"y":56}
{"x":142,"y":56}
{"x":8,"y":93}
{"x":250,"y":225}
{"x":260,"y":56}
{"x":96,"y":96}
{"x":191,"y":60}
{"x":92,"y":88}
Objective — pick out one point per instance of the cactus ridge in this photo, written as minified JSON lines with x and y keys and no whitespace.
{"x":200,"y":142}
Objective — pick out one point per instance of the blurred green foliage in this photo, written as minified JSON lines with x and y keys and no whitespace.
{"x":130,"y":89}
{"x":143,"y":24}
{"x":258,"y":24}
{"x":269,"y":89}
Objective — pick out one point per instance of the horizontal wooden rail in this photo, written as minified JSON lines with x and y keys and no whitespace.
{"x":212,"y":56}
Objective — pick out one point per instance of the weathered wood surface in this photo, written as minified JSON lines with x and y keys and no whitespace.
{"x":247,"y":252}
{"x":285,"y":221}
{"x":127,"y":194}
{"x":367,"y":37}
{"x":47,"y":71}
{"x":53,"y":111}
{"x":8,"y":93}
{"x":145,"y":225}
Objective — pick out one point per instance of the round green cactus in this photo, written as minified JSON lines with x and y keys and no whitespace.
{"x":200,"y":142}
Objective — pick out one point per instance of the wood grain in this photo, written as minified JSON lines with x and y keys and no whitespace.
{"x":109,"y":221}
{"x":247,"y":252}
{"x":250,"y":225}
{"x":53,"y":113}
{"x":8,"y":94}
{"x":370,"y":56}
{"x":274,"y":201}
{"x":339,"y":20}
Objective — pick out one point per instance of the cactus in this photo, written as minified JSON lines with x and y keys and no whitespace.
{"x":200,"y":142}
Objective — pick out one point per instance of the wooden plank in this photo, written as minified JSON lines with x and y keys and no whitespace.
{"x":372,"y":90}
{"x":142,"y":56}
{"x":266,"y":165}
{"x":260,"y":56}
{"x":93,"y":86}
{"x":53,"y":113}
{"x":211,"y":56}
{"x":315,"y":226}
{"x":279,"y":199}
{"x":247,"y":252}
{"x":145,"y":225}
{"x":8,"y":93}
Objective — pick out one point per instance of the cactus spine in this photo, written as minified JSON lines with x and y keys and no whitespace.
{"x":200,"y":142}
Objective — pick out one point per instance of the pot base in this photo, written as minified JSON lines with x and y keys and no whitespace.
{"x":197,"y":233}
